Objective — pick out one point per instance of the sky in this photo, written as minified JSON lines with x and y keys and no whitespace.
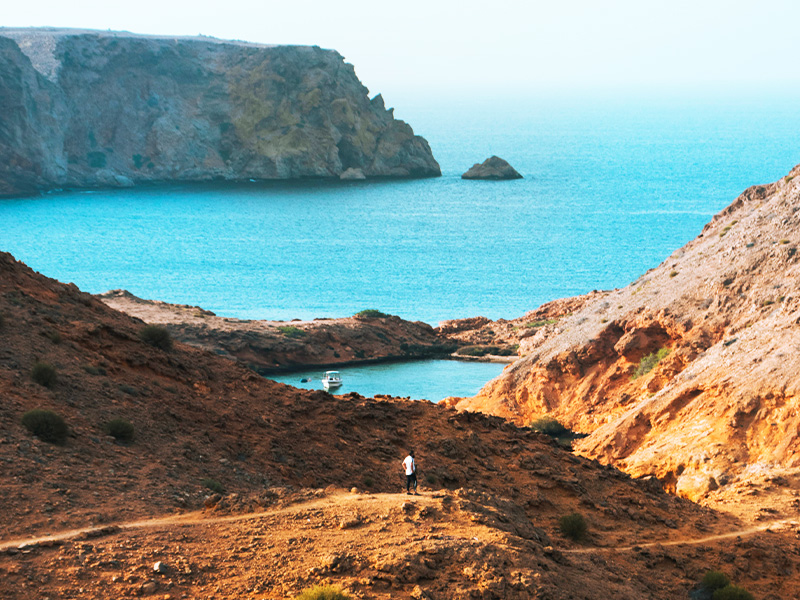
{"x":455,"y":48}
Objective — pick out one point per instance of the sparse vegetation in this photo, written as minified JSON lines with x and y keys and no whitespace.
{"x":157,"y":336}
{"x":2,"y":320}
{"x":213,"y":485}
{"x":573,"y":526}
{"x":46,"y":425}
{"x":732,"y":592}
{"x":784,"y":241}
{"x":649,"y":362}
{"x":291,"y":331}
{"x":727,"y":228}
{"x":53,"y":336}
{"x":128,"y":389}
{"x":44,"y":374}
{"x":93,"y":370}
{"x":542,"y":323}
{"x":488,"y":350}
{"x":371,"y":313}
{"x":714,"y":580}
{"x":322,"y":592}
{"x":120,"y":429}
{"x":673,"y":274}
{"x":548,"y":426}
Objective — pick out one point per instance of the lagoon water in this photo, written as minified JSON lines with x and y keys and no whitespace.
{"x":422,"y":379}
{"x":611,"y":189}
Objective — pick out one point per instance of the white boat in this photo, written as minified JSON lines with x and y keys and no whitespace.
{"x":331,"y":379}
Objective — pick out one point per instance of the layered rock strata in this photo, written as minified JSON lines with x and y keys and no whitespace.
{"x":92,"y":109}
{"x":690,"y":372}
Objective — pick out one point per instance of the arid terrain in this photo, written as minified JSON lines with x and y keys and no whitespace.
{"x":689,"y":373}
{"x":274,"y":346}
{"x":282,"y":515}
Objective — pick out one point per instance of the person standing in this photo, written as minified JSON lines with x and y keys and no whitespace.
{"x":410,"y":466}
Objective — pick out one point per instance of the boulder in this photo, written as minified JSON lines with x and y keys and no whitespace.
{"x":493,"y":168}
{"x":352,"y":174}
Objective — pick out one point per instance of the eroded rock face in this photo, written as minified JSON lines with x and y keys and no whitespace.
{"x":690,"y":372}
{"x":91,"y":109}
{"x":493,"y":168}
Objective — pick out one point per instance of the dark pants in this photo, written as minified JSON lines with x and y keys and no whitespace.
{"x":411,"y":479}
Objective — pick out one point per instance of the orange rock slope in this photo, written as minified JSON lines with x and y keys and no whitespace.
{"x":690,"y":372}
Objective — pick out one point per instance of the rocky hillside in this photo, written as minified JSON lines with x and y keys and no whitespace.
{"x":689,"y":373}
{"x":203,"y":422}
{"x":275,"y":346}
{"x":88,"y":109}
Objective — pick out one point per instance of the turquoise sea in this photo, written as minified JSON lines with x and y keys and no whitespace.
{"x":611,"y":188}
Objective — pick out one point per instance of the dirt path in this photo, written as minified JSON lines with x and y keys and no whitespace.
{"x":202,"y":518}
{"x":340,"y":500}
{"x":690,"y":541}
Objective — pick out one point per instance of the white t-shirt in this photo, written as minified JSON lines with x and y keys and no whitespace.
{"x":408,"y":463}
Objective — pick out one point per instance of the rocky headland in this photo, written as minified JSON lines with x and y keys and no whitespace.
{"x":234,"y":486}
{"x":275,"y":346}
{"x":493,"y":168}
{"x":87,"y":109}
{"x":689,"y":373}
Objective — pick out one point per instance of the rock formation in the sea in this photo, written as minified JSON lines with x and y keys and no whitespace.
{"x":692,"y":372}
{"x":94,"y":109}
{"x":275,"y":346}
{"x":493,"y":168}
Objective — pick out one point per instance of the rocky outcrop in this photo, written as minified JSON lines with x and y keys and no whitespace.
{"x":92,"y":109}
{"x":493,"y":168}
{"x":689,"y":373}
{"x":275,"y":346}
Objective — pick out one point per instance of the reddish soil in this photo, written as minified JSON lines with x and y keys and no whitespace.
{"x":484,"y":527}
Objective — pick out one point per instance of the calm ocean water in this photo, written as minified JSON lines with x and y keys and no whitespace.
{"x":610,"y":190}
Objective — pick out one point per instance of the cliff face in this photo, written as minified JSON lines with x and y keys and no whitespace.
{"x":103,"y":109}
{"x":691,"y":372}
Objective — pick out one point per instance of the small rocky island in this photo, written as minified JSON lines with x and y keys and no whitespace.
{"x":493,"y":168}
{"x":90,"y":109}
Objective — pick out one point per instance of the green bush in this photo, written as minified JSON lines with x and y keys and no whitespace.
{"x":156,"y":336}
{"x":714,"y":580}
{"x":368,"y":481}
{"x":548,"y":426}
{"x":649,"y":362}
{"x":44,"y":374}
{"x":573,"y":526}
{"x":371,"y":313}
{"x":732,"y":592}
{"x":92,"y":370}
{"x":45,"y":425}
{"x":542,"y":323}
{"x":120,"y":429}
{"x":291,"y":331}
{"x":53,"y":336}
{"x":322,"y":592}
{"x":213,"y":485}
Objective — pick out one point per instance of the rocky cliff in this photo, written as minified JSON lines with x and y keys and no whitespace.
{"x":690,"y":372}
{"x":89,"y":109}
